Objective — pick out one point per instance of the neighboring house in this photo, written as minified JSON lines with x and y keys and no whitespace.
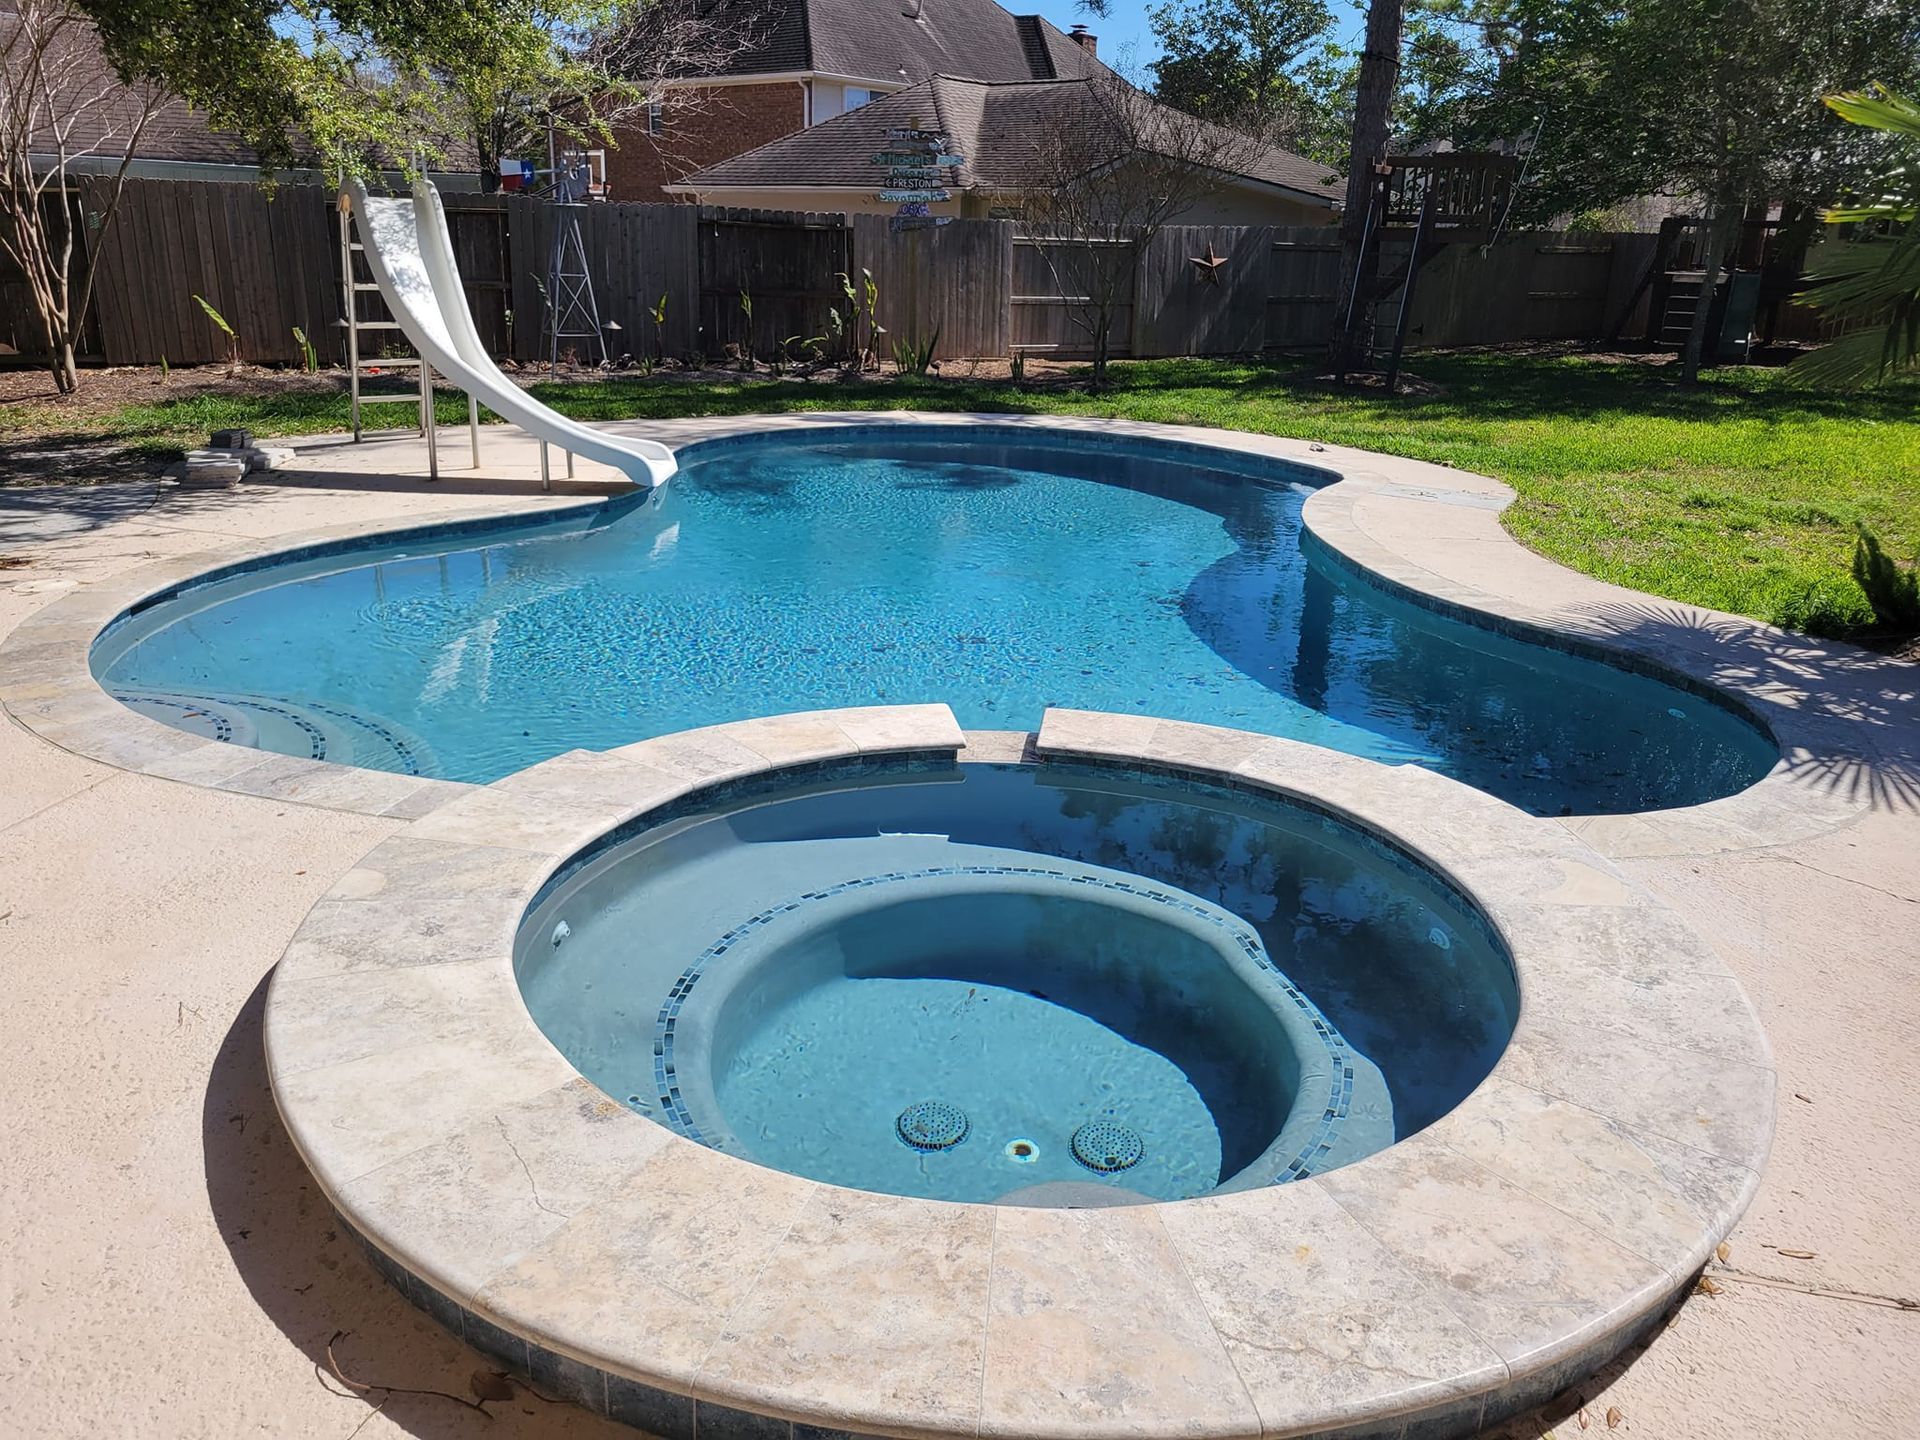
{"x":804,"y":62}
{"x":999,"y":131}
{"x":98,"y":112}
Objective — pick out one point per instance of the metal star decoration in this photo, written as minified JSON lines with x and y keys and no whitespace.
{"x":1209,"y":265}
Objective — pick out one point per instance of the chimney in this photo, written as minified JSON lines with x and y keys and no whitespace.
{"x":1085,"y":39}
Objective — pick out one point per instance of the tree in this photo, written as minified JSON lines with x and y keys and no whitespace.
{"x":1372,"y":109}
{"x":1871,"y":279}
{"x":1112,"y":168}
{"x":1443,"y":55}
{"x":351,"y":86}
{"x":358,"y":85}
{"x":1718,"y":101}
{"x":600,"y":80}
{"x":1226,"y":60}
{"x":59,"y":109}
{"x":1743,"y":124}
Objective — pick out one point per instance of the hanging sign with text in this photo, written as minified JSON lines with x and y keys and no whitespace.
{"x":916,"y":163}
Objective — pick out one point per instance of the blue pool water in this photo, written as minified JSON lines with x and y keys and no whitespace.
{"x":997,"y":575}
{"x":1246,"y":990}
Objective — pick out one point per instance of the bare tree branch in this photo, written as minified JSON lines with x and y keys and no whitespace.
{"x":61,"y":105}
{"x":1112,"y":168}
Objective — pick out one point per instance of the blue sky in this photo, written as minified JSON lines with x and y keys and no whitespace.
{"x":1127,"y":25}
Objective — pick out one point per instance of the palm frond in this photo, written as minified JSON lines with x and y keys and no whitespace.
{"x":1896,"y":114}
{"x":1872,"y":279}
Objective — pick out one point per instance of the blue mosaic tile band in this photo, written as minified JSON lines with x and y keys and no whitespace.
{"x":673,"y":1112}
{"x":190,"y":709}
{"x":208,"y":708}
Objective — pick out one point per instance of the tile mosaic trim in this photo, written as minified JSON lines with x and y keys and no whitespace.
{"x":296,"y":713}
{"x":1258,"y":466}
{"x":673,"y":1111}
{"x":722,"y":791}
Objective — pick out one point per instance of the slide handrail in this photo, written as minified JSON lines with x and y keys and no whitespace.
{"x":410,"y":253}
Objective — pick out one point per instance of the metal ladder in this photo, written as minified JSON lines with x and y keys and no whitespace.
{"x":360,"y":367}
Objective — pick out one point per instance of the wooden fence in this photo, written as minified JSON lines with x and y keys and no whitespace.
{"x":785,"y":267}
{"x":269,"y":262}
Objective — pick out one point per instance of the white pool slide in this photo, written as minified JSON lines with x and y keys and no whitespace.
{"x":411,"y":257}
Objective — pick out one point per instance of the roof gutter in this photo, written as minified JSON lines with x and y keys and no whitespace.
{"x":781,"y":77}
{"x":682,"y":188}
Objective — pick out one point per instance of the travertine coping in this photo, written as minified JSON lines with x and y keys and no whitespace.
{"x":1847,"y":722}
{"x":1458,"y":1276}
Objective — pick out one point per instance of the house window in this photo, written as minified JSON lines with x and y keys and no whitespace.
{"x":858,"y":96}
{"x":654,"y":125}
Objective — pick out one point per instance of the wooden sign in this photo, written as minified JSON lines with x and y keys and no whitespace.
{"x":929,"y":156}
{"x":914,"y":164}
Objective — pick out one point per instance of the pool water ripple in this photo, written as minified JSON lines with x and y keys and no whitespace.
{"x":798,"y":574}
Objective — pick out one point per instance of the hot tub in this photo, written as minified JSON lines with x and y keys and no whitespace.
{"x":1034,"y":985}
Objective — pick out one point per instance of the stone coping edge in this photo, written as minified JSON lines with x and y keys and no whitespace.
{"x":1468,"y":1272}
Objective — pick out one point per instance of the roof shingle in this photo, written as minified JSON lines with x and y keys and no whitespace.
{"x":900,"y":40}
{"x":992,"y":126}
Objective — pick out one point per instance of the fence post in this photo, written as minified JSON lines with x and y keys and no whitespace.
{"x":1137,"y":311}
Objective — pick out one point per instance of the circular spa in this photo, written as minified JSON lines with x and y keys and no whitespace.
{"x":1030,"y":985}
{"x":719,"y":1081}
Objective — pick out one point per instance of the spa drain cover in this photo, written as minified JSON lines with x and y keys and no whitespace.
{"x":932,"y":1125}
{"x":1104,"y":1146}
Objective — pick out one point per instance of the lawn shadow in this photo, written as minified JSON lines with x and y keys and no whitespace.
{"x":1861,"y":740}
{"x":312,"y":1280}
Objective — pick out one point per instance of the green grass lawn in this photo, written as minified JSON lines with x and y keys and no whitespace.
{"x":1743,"y":494}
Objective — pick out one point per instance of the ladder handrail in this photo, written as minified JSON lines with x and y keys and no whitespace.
{"x":1414,"y":261}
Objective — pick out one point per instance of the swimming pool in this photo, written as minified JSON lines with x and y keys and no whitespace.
{"x":997,"y":572}
{"x":1025,"y":984}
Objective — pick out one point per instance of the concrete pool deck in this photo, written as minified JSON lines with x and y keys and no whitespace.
{"x":171,"y":1270}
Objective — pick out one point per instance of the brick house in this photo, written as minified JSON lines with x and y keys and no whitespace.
{"x":807,"y":61}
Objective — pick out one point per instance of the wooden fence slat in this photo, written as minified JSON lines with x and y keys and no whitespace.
{"x":270,"y":263}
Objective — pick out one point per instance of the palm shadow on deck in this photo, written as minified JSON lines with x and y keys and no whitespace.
{"x":1861,"y":710}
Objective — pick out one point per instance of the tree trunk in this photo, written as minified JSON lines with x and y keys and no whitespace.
{"x":50,"y":341}
{"x":1372,"y":115}
{"x":1719,"y":231}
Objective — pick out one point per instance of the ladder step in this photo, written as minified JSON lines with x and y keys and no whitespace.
{"x":397,"y":362}
{"x":412,"y":397}
{"x":376,"y":325}
{"x":365,"y":285}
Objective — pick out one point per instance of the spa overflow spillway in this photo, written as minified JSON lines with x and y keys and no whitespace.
{"x":999,"y":572}
{"x":1034,"y":985}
